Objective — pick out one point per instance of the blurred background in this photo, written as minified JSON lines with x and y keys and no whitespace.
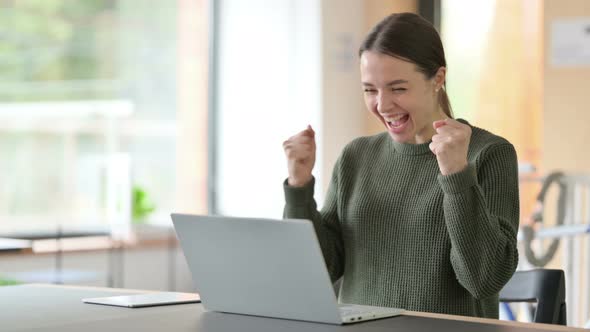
{"x":115,"y":113}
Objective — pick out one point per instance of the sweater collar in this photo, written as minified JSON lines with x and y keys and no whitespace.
{"x":410,"y":149}
{"x":415,"y":149}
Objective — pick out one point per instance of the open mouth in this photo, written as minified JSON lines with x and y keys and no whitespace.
{"x":398,"y":122}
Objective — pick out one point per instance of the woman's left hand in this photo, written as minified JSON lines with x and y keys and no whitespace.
{"x":450,"y":144}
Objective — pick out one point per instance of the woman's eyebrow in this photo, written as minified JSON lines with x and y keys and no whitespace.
{"x":394,"y":82}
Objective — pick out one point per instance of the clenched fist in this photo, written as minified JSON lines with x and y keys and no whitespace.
{"x":300,"y":152}
{"x":450,"y":145}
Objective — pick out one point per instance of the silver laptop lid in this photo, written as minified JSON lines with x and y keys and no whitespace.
{"x":260,"y":267}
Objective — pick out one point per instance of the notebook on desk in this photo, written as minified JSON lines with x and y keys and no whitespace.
{"x":145,"y":300}
{"x":264,"y":267}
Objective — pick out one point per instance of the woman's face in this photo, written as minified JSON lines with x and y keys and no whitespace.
{"x":401,"y":97}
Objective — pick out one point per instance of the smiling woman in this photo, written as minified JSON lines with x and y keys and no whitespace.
{"x":416,"y":98}
{"x":423,"y":216}
{"x":406,"y":106}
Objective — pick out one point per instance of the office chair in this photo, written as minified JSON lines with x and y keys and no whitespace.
{"x":545,"y":287}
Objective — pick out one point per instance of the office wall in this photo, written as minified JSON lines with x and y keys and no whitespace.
{"x":494,"y":53}
{"x":508,"y":91}
{"x":268,"y":88}
{"x":566,"y":125}
{"x":566,"y":129}
{"x":192,"y":94}
{"x":342,"y":112}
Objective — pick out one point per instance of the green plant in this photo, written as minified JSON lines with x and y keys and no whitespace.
{"x":8,"y":282}
{"x":141,"y":205}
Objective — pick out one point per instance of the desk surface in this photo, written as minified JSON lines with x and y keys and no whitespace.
{"x":44,"y":232}
{"x":11,"y":245}
{"x":59,"y":308}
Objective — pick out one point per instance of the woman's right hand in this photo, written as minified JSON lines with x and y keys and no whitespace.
{"x":300,"y":152}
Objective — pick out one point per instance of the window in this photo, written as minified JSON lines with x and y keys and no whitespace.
{"x":267,"y":88}
{"x":91,"y":94}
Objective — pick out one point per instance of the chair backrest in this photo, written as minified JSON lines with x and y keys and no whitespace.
{"x":545,"y":287}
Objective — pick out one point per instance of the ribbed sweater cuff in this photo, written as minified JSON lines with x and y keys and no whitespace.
{"x":296,"y":196}
{"x":458,"y":182}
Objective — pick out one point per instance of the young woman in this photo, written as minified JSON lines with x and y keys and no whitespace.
{"x":423,"y":216}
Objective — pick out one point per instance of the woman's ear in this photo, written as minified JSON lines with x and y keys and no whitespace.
{"x":439,"y":78}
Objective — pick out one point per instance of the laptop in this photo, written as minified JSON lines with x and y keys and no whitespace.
{"x":264,"y":267}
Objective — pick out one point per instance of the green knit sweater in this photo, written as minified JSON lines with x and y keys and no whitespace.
{"x":402,"y":235}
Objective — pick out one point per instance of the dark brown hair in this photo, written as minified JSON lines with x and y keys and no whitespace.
{"x":410,"y":37}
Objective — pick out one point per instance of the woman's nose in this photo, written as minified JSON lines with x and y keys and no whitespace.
{"x":384,"y":103}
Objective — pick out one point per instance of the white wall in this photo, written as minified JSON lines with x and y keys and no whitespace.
{"x":268,"y":88}
{"x":344,"y":115}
